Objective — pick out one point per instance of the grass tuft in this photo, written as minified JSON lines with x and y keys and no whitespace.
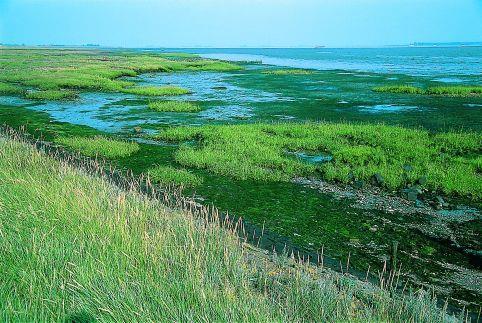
{"x":52,"y":95}
{"x":168,"y":175}
{"x":156,"y":90}
{"x":10,"y":89}
{"x":462,"y":91}
{"x":99,"y":146}
{"x":174,"y":106}
{"x":456,"y":91}
{"x":408,"y":89}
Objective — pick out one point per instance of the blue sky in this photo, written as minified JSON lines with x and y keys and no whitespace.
{"x":236,"y":23}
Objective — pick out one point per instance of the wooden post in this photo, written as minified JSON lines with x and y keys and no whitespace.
{"x":393,"y":256}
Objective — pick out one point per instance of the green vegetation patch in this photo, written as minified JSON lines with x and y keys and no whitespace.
{"x":408,"y":89}
{"x":10,"y":89}
{"x":76,"y":248}
{"x":172,"y":176}
{"x":91,"y":70}
{"x":448,"y":162}
{"x":174,"y":106}
{"x":457,"y":91}
{"x":289,"y":72}
{"x":52,"y":95}
{"x":157,"y":90}
{"x":99,"y":146}
{"x":463,"y":91}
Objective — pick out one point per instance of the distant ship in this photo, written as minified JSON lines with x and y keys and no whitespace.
{"x":320,"y":46}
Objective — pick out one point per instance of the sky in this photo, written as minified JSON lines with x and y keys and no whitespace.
{"x":239,"y":23}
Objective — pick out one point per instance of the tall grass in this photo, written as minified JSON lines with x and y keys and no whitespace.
{"x":99,"y":146}
{"x":174,"y":106}
{"x":76,"y":248}
{"x":450,"y":161}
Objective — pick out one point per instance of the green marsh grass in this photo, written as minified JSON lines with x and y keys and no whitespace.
{"x":99,"y":146}
{"x":10,"y":89}
{"x":157,"y":90}
{"x":408,"y":89}
{"x":74,"y":247}
{"x":168,"y":175}
{"x":52,"y":95}
{"x":91,"y":70}
{"x":174,"y":106}
{"x":450,"y":161}
{"x":456,"y":91}
{"x":289,"y":72}
{"x":463,"y":91}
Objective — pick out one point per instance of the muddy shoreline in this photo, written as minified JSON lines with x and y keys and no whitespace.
{"x":439,"y":218}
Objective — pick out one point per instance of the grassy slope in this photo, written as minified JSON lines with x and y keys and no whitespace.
{"x":75,"y":247}
{"x":450,"y":162}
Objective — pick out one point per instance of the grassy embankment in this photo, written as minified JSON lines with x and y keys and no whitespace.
{"x":44,"y":74}
{"x":444,"y":162}
{"x":174,"y":106}
{"x":76,"y":248}
{"x":457,"y":91}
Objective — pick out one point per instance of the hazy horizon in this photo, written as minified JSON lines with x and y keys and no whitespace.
{"x":239,"y":24}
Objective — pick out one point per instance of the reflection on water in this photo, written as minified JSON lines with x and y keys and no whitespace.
{"x":449,"y":80}
{"x":89,"y":110}
{"x":205,"y":86}
{"x":227,"y":113}
{"x":380,"y":108}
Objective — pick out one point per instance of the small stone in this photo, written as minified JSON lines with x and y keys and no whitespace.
{"x":379,"y":179}
{"x":137,"y":129}
{"x":407,"y":168}
{"x":351,"y":176}
{"x":417,"y":189}
{"x":359,"y":184}
{"x":422,"y":180}
{"x":412,"y":195}
{"x":440,"y":199}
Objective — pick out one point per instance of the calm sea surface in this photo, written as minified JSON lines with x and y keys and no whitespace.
{"x":433,"y":61}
